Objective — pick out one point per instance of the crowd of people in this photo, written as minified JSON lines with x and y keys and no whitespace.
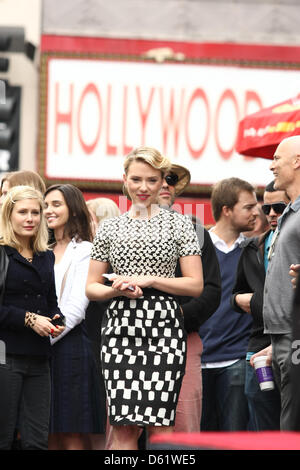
{"x":119,"y":326}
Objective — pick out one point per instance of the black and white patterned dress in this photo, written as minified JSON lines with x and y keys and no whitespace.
{"x":143,"y":340}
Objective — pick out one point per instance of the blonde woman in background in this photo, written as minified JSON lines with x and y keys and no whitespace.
{"x":101,"y":208}
{"x":22,"y":177}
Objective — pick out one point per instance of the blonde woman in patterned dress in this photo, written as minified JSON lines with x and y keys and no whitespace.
{"x":143,"y":340}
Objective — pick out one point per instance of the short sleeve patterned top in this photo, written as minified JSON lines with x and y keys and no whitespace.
{"x":145,"y":247}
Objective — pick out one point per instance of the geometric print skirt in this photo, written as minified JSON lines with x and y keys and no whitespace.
{"x":143,"y":358}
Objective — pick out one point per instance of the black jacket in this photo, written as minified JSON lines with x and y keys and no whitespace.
{"x":250,"y":277}
{"x":197,"y":310}
{"x":28,"y":287}
{"x":295,"y":362}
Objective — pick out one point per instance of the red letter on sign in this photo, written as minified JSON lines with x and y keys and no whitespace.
{"x":227,"y":95}
{"x":110,"y":149}
{"x":90,"y":88}
{"x":251,"y":96}
{"x":125,"y":148}
{"x":198,"y":94}
{"x":254,"y":97}
{"x":144,"y":113}
{"x":173,"y":119}
{"x":63,"y":118}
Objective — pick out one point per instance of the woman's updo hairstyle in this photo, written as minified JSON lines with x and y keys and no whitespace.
{"x":148,"y":155}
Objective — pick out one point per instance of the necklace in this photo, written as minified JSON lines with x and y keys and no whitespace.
{"x":28,"y":258}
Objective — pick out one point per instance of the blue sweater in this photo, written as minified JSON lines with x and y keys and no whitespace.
{"x":226,"y":333}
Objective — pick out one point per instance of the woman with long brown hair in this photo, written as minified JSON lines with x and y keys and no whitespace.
{"x":76,"y":408}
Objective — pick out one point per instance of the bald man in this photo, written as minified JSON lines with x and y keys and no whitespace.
{"x":284,"y":251}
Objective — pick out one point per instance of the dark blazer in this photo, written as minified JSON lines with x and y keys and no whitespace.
{"x":295,"y":361}
{"x":197,"y":310}
{"x":250,"y":277}
{"x":28,"y":287}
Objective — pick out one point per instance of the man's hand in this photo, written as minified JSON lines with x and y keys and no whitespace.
{"x":243,"y":301}
{"x":294,"y":272}
{"x":264,"y":352}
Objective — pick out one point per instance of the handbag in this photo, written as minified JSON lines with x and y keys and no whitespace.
{"x":3,"y":271}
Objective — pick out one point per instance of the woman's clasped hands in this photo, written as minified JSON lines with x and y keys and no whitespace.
{"x":131,"y":286}
{"x":43,"y":326}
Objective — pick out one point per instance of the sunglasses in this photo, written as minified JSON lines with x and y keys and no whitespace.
{"x":172,"y":179}
{"x":278,"y":207}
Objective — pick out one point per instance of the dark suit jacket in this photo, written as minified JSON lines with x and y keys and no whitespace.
{"x":295,"y":361}
{"x":28,"y":287}
{"x":197,"y":310}
{"x":250,"y":277}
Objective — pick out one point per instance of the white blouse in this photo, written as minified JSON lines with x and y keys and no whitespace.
{"x":72,"y":270}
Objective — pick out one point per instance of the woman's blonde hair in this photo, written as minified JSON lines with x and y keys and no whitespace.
{"x":148,"y":155}
{"x":39,"y":241}
{"x":25,"y":178}
{"x":103,"y":208}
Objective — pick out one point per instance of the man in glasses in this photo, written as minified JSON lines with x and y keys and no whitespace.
{"x":195,"y":310}
{"x":264,"y":406}
{"x":174,"y":184}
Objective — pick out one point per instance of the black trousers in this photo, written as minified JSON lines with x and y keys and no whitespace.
{"x":25,"y":401}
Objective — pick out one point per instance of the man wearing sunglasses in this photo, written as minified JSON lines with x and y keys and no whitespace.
{"x":195,"y":310}
{"x":173,"y":185}
{"x":264,"y":406}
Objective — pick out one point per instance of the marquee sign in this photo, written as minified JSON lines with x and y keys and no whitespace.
{"x":97,"y":109}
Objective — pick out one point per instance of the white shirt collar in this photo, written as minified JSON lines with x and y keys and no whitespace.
{"x":220,"y":243}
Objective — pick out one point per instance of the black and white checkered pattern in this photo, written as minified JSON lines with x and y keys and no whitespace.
{"x":145,"y":247}
{"x":143,"y":340}
{"x":143,"y":360}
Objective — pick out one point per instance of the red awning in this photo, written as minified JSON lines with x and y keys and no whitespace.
{"x":260,"y":133}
